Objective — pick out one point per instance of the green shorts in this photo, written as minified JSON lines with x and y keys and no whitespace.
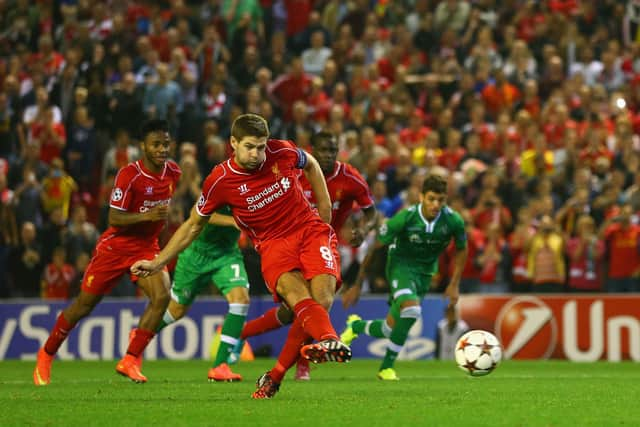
{"x":194,"y":272}
{"x":406,"y":284}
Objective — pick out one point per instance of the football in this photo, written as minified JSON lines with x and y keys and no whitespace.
{"x":478,"y":353}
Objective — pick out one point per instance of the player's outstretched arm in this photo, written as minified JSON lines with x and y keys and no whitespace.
{"x":315,"y":177}
{"x":453,"y":289}
{"x":183,"y":236}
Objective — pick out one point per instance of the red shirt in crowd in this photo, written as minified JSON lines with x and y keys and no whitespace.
{"x":56,"y":281}
{"x":622,"y":246}
{"x":585,"y":271}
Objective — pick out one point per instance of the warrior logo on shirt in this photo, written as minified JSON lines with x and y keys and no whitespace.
{"x":201,"y":201}
{"x":117,"y":195}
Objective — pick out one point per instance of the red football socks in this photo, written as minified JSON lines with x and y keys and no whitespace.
{"x":58,"y":334}
{"x":296,"y":338}
{"x":265,"y":323}
{"x":314,"y":319}
{"x":141,"y":337}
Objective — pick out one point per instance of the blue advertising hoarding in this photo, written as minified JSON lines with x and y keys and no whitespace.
{"x":104,"y":335}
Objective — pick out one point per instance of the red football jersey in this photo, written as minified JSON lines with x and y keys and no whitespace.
{"x":267,"y":202}
{"x":345,"y":185}
{"x":136,"y":190}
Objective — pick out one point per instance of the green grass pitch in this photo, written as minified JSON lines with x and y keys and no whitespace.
{"x":430,"y":393}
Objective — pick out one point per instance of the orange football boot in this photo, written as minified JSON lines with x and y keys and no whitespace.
{"x":128,"y":367}
{"x":42,"y":372}
{"x":222,"y":372}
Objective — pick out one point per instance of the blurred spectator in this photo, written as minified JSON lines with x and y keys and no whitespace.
{"x":189,"y":187}
{"x":80,"y":236}
{"x":519,"y":243}
{"x":621,"y":238}
{"x":545,"y":264}
{"x":26,"y":199}
{"x":163,"y":99}
{"x":315,"y":56}
{"x":291,"y":87}
{"x":452,"y":14}
{"x":470,"y":279}
{"x":57,"y":277}
{"x":491,"y":260}
{"x":585,"y":252}
{"x":81,"y":149}
{"x":57,"y":189}
{"x":26,"y":264}
{"x":52,"y":135}
{"x":8,"y":233}
{"x":123,"y":153}
{"x":52,"y":234}
{"x":126,"y":105}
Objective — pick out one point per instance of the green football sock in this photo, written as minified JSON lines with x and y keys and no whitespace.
{"x":167,"y":319}
{"x":231,"y":329}
{"x":373,"y":328}
{"x":397,"y":339}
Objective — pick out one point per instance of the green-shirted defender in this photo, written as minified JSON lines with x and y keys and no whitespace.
{"x":213,"y":257}
{"x":416,"y":237}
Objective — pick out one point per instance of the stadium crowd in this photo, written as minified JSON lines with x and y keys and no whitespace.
{"x":531,"y":109}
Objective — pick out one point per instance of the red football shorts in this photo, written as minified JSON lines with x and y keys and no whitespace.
{"x":108,"y":265}
{"x":313,"y":249}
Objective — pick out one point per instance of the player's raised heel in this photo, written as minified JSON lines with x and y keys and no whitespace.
{"x":223,"y":373}
{"x":128,"y":367}
{"x":267,"y":388}
{"x":326,"y":351}
{"x":42,"y":371}
{"x":302,"y":370}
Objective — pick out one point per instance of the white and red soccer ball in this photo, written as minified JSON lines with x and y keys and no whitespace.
{"x":478,"y":353}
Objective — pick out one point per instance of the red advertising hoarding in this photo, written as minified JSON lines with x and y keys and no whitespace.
{"x":578,"y":328}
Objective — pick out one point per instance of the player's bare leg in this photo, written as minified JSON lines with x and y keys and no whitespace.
{"x":79,"y":308}
{"x":156,"y":287}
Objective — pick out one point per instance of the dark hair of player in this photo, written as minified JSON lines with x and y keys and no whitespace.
{"x":318,"y":137}
{"x":155,"y":125}
{"x":434,"y":183}
{"x":249,"y":125}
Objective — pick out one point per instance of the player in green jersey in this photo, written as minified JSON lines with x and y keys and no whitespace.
{"x":416,"y":237}
{"x":213,"y":257}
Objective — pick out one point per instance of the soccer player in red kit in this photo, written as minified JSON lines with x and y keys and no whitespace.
{"x":296,"y":244}
{"x":346,"y":186}
{"x":137,"y":213}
